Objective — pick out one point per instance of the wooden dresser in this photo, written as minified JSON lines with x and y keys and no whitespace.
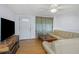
{"x":10,"y":45}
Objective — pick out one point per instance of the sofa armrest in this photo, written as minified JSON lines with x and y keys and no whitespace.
{"x":47,"y":47}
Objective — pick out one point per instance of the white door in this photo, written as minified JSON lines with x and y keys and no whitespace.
{"x":25,"y":30}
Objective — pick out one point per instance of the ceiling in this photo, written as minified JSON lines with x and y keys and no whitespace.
{"x":39,"y":9}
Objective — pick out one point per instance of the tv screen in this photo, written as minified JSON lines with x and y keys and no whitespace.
{"x":7,"y":28}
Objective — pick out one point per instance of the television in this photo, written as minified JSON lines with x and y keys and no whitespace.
{"x":7,"y":28}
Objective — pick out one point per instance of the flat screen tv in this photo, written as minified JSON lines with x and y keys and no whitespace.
{"x":7,"y":28}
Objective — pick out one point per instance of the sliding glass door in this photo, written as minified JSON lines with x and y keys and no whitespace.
{"x":44,"y":25}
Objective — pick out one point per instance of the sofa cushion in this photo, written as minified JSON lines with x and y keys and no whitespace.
{"x":66,"y":46}
{"x":3,"y":48}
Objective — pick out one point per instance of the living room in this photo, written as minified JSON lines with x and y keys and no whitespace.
{"x":61,"y":23}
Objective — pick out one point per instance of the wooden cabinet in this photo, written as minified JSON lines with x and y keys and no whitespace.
{"x":10,"y":45}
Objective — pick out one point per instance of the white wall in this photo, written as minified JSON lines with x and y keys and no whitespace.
{"x":67,"y":20}
{"x":5,"y":12}
{"x":17,"y":28}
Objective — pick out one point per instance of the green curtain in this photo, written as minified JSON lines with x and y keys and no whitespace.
{"x":44,"y":25}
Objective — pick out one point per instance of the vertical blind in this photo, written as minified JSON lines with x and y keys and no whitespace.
{"x":44,"y":25}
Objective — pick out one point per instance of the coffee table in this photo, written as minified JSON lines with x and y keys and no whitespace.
{"x":48,"y":38}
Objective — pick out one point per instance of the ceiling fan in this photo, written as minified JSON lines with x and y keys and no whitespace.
{"x":53,"y":8}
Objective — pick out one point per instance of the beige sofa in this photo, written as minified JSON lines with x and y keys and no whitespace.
{"x":67,"y":43}
{"x":59,"y":34}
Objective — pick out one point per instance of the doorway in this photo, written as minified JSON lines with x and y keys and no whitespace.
{"x":25,"y":30}
{"x":27,"y":27}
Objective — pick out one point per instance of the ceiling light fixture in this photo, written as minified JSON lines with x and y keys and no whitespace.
{"x":53,"y":10}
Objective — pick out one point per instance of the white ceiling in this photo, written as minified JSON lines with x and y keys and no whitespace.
{"x":38,"y":9}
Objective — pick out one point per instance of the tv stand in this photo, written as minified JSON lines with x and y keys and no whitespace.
{"x":10,"y":45}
